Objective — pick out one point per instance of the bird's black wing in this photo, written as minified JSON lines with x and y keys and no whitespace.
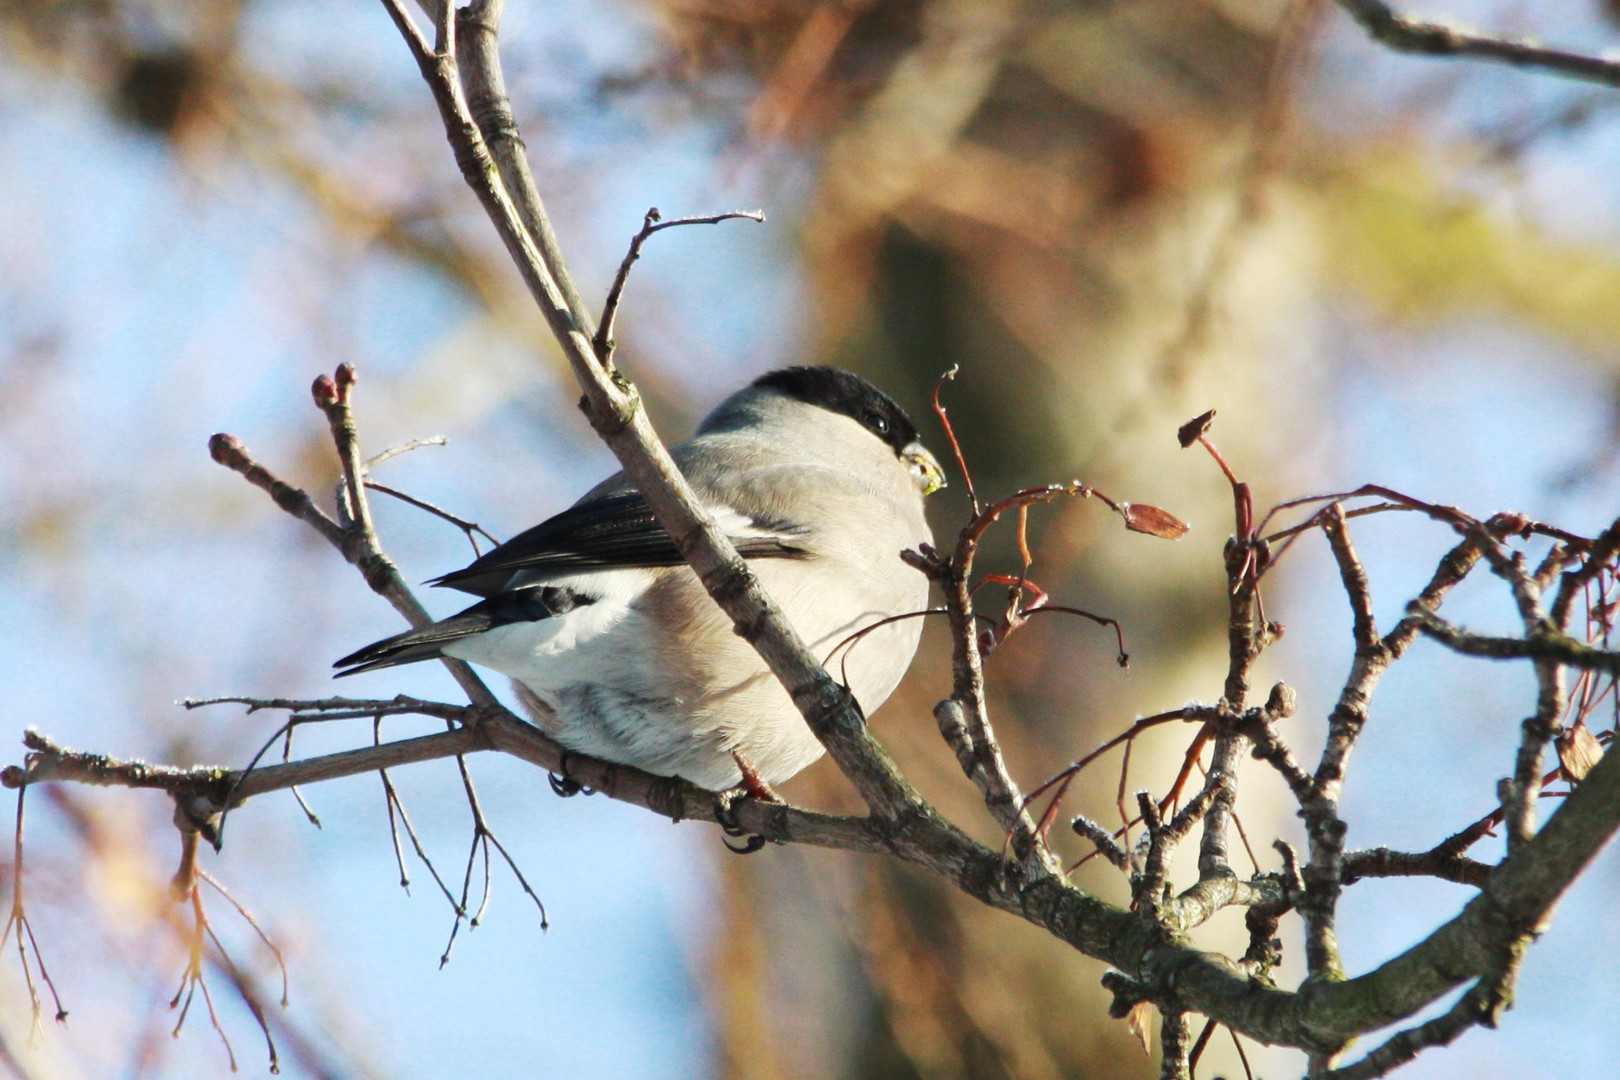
{"x":613,"y":531}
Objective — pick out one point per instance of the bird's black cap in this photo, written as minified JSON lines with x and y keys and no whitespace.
{"x":840,"y":391}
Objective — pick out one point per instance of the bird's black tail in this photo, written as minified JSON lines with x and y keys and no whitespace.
{"x":518,"y":605}
{"x":413,"y":645}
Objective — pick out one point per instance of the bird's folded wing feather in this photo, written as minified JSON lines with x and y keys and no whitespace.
{"x":610,"y":532}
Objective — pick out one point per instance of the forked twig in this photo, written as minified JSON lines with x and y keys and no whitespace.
{"x":654,"y":222}
{"x":18,"y":919}
{"x":467,"y":527}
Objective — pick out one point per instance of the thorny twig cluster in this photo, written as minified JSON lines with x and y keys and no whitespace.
{"x":1566,"y":601}
{"x":1574,"y":570}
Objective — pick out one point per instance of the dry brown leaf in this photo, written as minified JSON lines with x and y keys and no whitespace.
{"x":1140,"y":1022}
{"x":1194,"y":429}
{"x":1142,"y":518}
{"x":1578,"y":751}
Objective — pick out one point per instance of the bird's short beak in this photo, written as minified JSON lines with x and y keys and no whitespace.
{"x":924,"y":468}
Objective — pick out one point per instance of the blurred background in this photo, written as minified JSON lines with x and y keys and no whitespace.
{"x":1111,"y":216}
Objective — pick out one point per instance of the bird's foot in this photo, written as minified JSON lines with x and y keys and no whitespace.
{"x":726,"y":815}
{"x":753,"y":786}
{"x":725,"y":812}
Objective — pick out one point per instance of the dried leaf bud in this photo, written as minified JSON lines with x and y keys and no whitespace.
{"x":989,"y":638}
{"x":1578,"y":751}
{"x":1142,"y":518}
{"x":225,"y":449}
{"x":1189,"y":432}
{"x":324,"y":391}
{"x":1139,"y":1021}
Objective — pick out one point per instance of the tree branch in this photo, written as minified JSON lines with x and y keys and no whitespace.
{"x":1406,"y":34}
{"x":358,"y":543}
{"x":1321,"y":810}
{"x":1148,"y":946}
{"x":614,"y":409}
{"x":1546,"y":644}
{"x":652,"y":223}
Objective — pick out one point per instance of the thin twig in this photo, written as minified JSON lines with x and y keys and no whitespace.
{"x":654,"y":222}
{"x":468,"y":527}
{"x":1545,"y":644}
{"x":18,"y":918}
{"x":404,"y":448}
{"x":1425,"y":38}
{"x":950,"y":437}
{"x":365,"y":553}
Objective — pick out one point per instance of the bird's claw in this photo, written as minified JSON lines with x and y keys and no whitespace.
{"x":725,"y":815}
{"x":565,"y":786}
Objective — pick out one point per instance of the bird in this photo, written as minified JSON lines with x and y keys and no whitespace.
{"x":617,"y":651}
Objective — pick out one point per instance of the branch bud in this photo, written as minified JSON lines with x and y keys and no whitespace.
{"x":347,"y":376}
{"x":1282,"y":701}
{"x":324,"y":391}
{"x":226,"y":449}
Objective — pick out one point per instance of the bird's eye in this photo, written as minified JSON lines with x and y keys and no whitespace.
{"x":878,"y":423}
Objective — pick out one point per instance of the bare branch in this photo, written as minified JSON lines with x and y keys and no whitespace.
{"x":614,"y":410}
{"x":1406,"y":34}
{"x":1548,"y":645}
{"x":408,"y":29}
{"x":1437,"y":862}
{"x":1454,"y":566}
{"x":1600,"y":555}
{"x":403,"y":448}
{"x":1154,"y":964}
{"x":1259,"y":727}
{"x":1175,"y":1046}
{"x":1084,"y":826}
{"x":1326,"y":829}
{"x":652,"y":223}
{"x":1198,"y":904}
{"x":468,"y":527}
{"x":228,"y":451}
{"x":360,"y":547}
{"x":1482,"y":1004}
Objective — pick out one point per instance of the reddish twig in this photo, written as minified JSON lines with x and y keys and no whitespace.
{"x":950,"y":437}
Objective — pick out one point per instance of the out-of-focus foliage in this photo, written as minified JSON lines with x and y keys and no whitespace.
{"x":1110,"y":216}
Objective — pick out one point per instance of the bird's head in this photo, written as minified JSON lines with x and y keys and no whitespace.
{"x":840,"y":391}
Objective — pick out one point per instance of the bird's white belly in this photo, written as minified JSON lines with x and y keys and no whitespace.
{"x":606,"y":676}
{"x":592,"y":669}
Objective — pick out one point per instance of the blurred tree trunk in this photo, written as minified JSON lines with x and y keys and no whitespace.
{"x":1078,"y":206}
